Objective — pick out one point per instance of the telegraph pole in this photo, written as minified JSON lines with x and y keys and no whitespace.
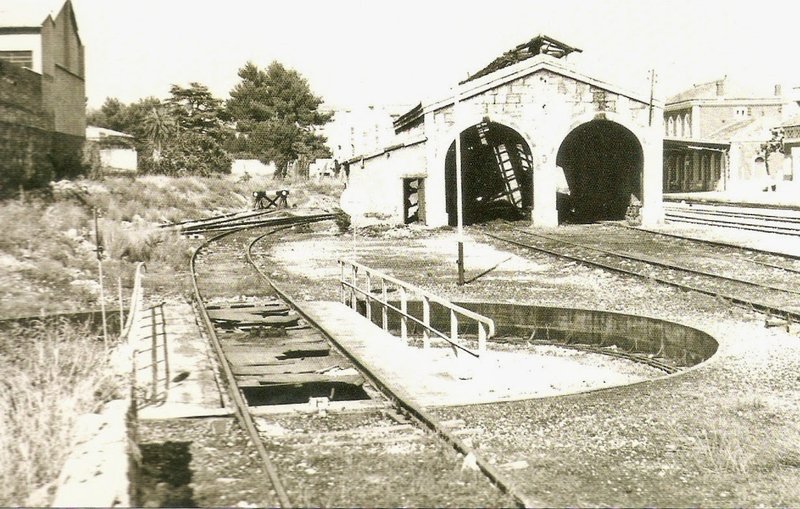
{"x":652,"y":90}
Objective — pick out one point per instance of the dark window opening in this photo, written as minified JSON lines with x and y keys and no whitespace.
{"x":413,"y":198}
{"x":21,"y":58}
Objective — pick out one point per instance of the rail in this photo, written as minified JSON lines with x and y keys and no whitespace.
{"x":351,"y":289}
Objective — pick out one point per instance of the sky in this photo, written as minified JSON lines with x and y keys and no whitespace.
{"x":359,"y":52}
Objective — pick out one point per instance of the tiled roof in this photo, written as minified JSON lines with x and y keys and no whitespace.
{"x":708,"y":91}
{"x":28,"y":13}
{"x":792,"y":121}
{"x":96,"y":133}
{"x":748,"y":129}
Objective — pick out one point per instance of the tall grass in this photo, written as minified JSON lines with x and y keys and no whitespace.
{"x":52,"y":372}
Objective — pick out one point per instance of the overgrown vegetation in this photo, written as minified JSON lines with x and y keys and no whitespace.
{"x":52,"y":373}
{"x":271,"y":115}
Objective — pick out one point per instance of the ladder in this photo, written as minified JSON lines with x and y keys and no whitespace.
{"x":508,"y":174}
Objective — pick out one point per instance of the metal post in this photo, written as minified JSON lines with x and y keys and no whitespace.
{"x":384,"y":308}
{"x":153,"y":354}
{"x":121,"y":305}
{"x":166,"y":352}
{"x":403,"y":315}
{"x":454,"y":329}
{"x":353,"y":294}
{"x":99,"y":248}
{"x":368,"y":296}
{"x":426,"y":320}
{"x":342,"y":282}
{"x":459,"y":193}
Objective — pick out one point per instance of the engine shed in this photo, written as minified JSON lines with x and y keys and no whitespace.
{"x":539,"y":139}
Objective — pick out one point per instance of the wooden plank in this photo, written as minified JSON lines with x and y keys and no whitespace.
{"x":256,"y":321}
{"x":276,"y":350}
{"x":298,"y":378}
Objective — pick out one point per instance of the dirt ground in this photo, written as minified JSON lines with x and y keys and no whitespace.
{"x":722,"y":434}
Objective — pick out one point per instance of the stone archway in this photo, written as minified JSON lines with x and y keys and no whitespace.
{"x":602,"y":163}
{"x":496,"y":167}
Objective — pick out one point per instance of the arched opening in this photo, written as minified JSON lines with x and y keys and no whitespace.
{"x":495,"y":174}
{"x":602,"y":163}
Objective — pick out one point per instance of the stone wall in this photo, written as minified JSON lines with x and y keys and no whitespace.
{"x":31,"y":153}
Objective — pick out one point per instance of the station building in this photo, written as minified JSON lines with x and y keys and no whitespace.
{"x":539,"y":138}
{"x":42,"y":91}
{"x":714,"y":135}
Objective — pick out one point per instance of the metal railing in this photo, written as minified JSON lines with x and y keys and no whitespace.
{"x":136,"y":302}
{"x":351,"y":291}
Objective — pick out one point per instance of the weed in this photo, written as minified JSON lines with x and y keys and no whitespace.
{"x":52,"y":372}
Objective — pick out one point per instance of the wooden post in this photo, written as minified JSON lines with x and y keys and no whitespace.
{"x":481,"y":337}
{"x":426,"y":319}
{"x":404,"y":315}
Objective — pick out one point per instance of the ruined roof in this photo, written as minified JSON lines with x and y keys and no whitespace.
{"x":728,"y":89}
{"x":539,"y":45}
{"x":408,"y":119}
{"x":28,"y":13}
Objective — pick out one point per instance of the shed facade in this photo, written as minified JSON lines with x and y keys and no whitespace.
{"x":539,"y":139}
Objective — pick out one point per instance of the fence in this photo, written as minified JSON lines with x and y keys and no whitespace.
{"x":351,"y":291}
{"x":145,"y":330}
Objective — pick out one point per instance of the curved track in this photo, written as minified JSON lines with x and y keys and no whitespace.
{"x":399,"y":400}
{"x":770,"y":290}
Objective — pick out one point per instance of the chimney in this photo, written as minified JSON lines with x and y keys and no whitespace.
{"x":778,"y":90}
{"x":721,"y":88}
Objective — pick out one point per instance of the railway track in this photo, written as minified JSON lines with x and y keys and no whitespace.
{"x":772,"y":289}
{"x":782,"y":222}
{"x":269,"y":366}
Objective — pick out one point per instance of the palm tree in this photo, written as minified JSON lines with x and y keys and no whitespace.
{"x":159,"y":126}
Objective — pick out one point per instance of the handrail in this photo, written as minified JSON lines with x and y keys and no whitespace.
{"x":486,"y":328}
{"x":137,"y":296}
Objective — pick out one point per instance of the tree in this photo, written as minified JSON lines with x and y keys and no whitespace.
{"x":189,"y":133}
{"x":277,"y":113}
{"x":129,"y":119}
{"x":159,"y":127}
{"x":111,"y":115}
{"x":775,"y":144}
{"x":195,"y":109}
